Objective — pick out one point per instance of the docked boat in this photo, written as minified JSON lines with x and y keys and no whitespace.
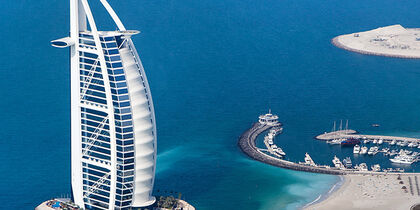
{"x":356,"y":149}
{"x":350,"y":141}
{"x":373,"y":151}
{"x":366,"y":141}
{"x":376,"y":168}
{"x":362,"y":167}
{"x":308,"y":160}
{"x":403,"y":159}
{"x":363,"y":150}
{"x":347,"y":162}
{"x":375,"y":141}
{"x":280,"y":151}
{"x":337,"y":163}
{"x":404,"y":144}
{"x":380,"y":141}
{"x":385,"y":150}
{"x":393,"y":142}
{"x":418,"y":147}
{"x":335,"y":141}
{"x":276,"y":130}
{"x":411,"y":144}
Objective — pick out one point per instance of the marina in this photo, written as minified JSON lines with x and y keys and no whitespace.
{"x":273,"y":154}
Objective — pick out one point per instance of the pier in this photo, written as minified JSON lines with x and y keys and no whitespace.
{"x":353,"y":134}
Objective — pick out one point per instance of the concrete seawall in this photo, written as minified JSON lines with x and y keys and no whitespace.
{"x":247,"y":145}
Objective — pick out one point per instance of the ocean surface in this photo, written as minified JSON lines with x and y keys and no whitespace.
{"x":213,"y":67}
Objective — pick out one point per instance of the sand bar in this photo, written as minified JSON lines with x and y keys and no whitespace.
{"x":390,"y":41}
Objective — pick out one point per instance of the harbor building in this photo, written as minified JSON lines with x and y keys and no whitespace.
{"x":269,"y":119}
{"x":113,"y":127}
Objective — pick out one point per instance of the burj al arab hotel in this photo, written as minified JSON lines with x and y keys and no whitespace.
{"x":113,"y":128}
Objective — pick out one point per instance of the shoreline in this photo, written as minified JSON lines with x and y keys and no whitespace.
{"x":369,"y":192}
{"x":325,"y":196}
{"x":335,"y":42}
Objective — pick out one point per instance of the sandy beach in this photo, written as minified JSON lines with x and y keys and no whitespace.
{"x":390,"y":41}
{"x":373,"y":192}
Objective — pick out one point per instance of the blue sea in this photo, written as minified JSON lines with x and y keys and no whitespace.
{"x":213,"y":67}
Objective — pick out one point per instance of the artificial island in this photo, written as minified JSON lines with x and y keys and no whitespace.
{"x":370,"y":188}
{"x":390,"y":41}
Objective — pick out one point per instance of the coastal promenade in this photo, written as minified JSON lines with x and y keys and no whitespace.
{"x":247,"y":145}
{"x":354,"y":134}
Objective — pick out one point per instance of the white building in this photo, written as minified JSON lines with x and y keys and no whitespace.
{"x":113,"y":128}
{"x":269,"y":119}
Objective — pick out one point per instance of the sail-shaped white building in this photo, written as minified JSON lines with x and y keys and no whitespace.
{"x":113,"y":128}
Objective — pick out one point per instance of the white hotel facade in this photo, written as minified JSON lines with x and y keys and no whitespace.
{"x":113,"y":128}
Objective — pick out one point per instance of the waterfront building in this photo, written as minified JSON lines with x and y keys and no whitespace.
{"x":269,"y":119}
{"x":113,"y":128}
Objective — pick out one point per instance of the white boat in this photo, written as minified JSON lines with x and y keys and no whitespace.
{"x":411,"y":144}
{"x":356,"y":149}
{"x":337,"y":163}
{"x":399,"y":143}
{"x":363,"y":150}
{"x":376,"y":167}
{"x":347,"y":162}
{"x":308,"y":160}
{"x":403,"y":159}
{"x":276,"y":130}
{"x":380,"y":141}
{"x":415,"y":144}
{"x":362,"y":167}
{"x":385,"y":150}
{"x":403,"y":144}
{"x":280,"y":151}
{"x":393,"y":142}
{"x":366,"y":142}
{"x":375,"y":141}
{"x":373,"y":150}
{"x":335,"y":141}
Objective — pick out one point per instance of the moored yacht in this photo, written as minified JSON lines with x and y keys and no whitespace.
{"x":280,"y":151}
{"x":337,"y":163}
{"x":347,"y":162}
{"x":403,"y":159}
{"x":356,"y":149}
{"x":373,"y":150}
{"x":376,"y":167}
{"x":366,"y":141}
{"x":380,"y":141}
{"x":375,"y":141}
{"x":308,"y":160}
{"x":350,"y":141}
{"x":393,"y":142}
{"x":404,"y":144}
{"x":363,"y":150}
{"x":362,"y":167}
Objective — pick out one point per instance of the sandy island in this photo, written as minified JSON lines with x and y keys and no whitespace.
{"x":390,"y":41}
{"x":373,"y":192}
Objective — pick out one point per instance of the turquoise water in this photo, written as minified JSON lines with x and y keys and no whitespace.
{"x":213,"y":67}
